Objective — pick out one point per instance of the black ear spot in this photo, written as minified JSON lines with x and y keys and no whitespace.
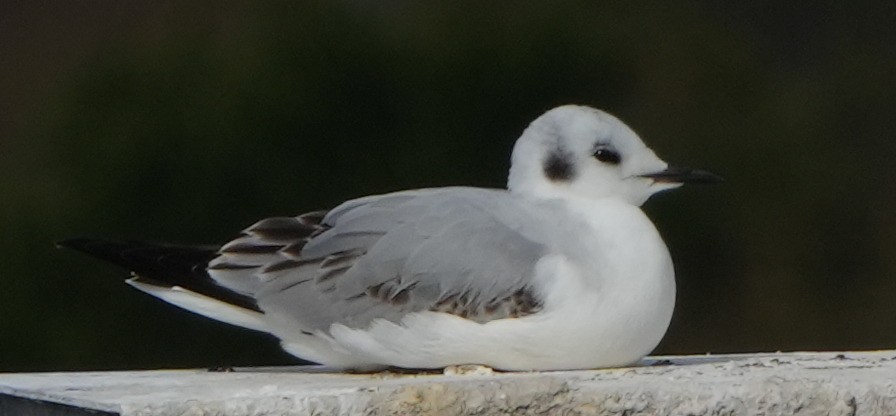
{"x":559,"y":167}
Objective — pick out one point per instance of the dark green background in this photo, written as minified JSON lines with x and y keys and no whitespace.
{"x":185,"y":122}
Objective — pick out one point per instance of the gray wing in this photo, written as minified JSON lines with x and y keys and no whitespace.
{"x":457,"y":250}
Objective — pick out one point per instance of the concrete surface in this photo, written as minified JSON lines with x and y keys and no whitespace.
{"x":848,"y":383}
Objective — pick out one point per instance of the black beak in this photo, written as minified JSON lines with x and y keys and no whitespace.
{"x":675,"y":174}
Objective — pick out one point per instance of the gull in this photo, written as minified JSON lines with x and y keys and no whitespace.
{"x":561,"y":270}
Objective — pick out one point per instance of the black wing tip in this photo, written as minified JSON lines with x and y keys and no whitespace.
{"x":108,"y":250}
{"x":75,"y":243}
{"x":143,"y":257}
{"x":92,"y":246}
{"x":87,"y":245}
{"x":162,"y":265}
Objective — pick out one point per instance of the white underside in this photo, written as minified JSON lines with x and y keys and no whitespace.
{"x":579,"y":328}
{"x":606,"y":314}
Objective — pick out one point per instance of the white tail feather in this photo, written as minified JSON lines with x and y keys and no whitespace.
{"x":204,"y":305}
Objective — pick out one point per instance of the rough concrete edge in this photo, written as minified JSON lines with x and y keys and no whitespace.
{"x":58,"y":400}
{"x":577,"y":394}
{"x":489,"y":397}
{"x":765,"y":394}
{"x":570,"y":392}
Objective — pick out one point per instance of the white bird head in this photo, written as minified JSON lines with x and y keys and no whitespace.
{"x":577,"y":151}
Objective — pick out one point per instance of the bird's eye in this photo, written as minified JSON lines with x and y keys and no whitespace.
{"x":606,"y":155}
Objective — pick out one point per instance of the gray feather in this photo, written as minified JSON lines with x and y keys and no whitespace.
{"x":453,"y":250}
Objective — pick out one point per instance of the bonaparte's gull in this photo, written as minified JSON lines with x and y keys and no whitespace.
{"x":562,"y":270}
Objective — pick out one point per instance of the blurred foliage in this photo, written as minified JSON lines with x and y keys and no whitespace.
{"x":185,"y":122}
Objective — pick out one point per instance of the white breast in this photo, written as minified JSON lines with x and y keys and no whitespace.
{"x":615,"y":305}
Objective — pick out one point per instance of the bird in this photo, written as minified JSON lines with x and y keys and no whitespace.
{"x":562,"y":270}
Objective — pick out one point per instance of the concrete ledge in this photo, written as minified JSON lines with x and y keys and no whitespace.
{"x":848,"y":383}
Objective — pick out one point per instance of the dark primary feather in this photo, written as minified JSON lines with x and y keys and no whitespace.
{"x":163,"y":265}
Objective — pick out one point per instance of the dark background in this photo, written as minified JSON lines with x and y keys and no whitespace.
{"x":186,"y":122}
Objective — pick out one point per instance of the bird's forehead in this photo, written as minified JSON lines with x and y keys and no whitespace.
{"x":574,"y":126}
{"x":589,"y":128}
{"x":577,"y":129}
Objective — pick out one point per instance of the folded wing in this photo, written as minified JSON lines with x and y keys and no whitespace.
{"x":452,"y":250}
